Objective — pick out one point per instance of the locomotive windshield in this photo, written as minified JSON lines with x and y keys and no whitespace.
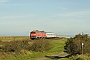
{"x":33,"y":32}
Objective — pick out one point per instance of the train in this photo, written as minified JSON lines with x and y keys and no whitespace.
{"x":36,"y":34}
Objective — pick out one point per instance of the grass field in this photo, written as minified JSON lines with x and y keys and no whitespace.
{"x":58,"y":46}
{"x":11,"y":38}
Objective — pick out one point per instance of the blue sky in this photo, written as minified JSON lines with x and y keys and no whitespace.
{"x":63,"y":17}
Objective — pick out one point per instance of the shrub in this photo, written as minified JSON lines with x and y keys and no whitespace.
{"x":41,"y":46}
{"x":74,"y":45}
{"x":15,"y":46}
{"x":80,"y":57}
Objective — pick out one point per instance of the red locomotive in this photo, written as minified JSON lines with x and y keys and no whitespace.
{"x":37,"y":34}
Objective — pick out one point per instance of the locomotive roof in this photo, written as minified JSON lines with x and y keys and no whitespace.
{"x":38,"y":31}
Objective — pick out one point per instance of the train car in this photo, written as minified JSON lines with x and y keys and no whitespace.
{"x":50,"y":35}
{"x":35,"y":34}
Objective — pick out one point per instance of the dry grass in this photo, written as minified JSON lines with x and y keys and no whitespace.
{"x":11,"y":38}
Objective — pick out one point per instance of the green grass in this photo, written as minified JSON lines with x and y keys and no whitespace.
{"x":58,"y":46}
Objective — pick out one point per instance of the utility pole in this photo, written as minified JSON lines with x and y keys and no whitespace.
{"x":82,"y":48}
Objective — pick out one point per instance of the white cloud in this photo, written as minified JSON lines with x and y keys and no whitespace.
{"x":62,"y":7}
{"x":20,"y":4}
{"x":74,"y":14}
{"x":22,"y":16}
{"x":1,"y":1}
{"x":41,"y":1}
{"x":15,"y":4}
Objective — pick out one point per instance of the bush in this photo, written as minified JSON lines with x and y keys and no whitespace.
{"x":80,"y":57}
{"x":15,"y":46}
{"x":74,"y":45}
{"x":41,"y":46}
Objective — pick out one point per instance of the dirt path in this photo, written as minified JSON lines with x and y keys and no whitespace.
{"x":55,"y":56}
